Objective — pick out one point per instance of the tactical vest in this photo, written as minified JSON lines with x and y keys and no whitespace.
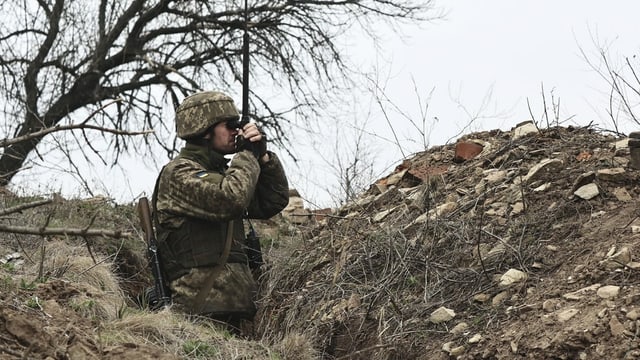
{"x":195,"y":243}
{"x":198,"y":243}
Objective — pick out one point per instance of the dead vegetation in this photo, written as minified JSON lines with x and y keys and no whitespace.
{"x":365,"y":282}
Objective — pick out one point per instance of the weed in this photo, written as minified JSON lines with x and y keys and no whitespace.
{"x":24,"y":285}
{"x":198,"y":349}
{"x":10,"y":267}
{"x":33,"y":302}
{"x":7,"y":283}
{"x":83,"y":306}
{"x":411,"y":280}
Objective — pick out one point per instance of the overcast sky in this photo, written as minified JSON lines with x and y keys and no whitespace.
{"x":483,"y":61}
{"x":493,"y":52}
{"x":512,"y":47}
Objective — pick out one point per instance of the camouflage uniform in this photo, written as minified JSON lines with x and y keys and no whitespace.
{"x":197,"y":194}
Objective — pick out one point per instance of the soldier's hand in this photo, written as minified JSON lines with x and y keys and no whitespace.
{"x":254,"y":140}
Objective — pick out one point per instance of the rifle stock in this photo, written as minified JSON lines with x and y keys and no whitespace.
{"x":162,"y":295}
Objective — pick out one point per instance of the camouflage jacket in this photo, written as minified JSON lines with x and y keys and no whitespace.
{"x":199,"y":192}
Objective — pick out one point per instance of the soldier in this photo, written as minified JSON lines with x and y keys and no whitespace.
{"x":200,"y":196}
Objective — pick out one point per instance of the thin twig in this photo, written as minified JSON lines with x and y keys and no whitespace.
{"x":41,"y":265}
{"x":97,"y":263}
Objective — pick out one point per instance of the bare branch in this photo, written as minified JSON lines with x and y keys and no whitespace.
{"x":82,"y":54}
{"x":49,"y":231}
{"x":26,"y":206}
{"x":41,"y":133}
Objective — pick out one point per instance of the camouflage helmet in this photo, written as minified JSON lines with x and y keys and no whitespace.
{"x":200,"y":111}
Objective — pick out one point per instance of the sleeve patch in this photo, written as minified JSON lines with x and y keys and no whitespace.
{"x":202,"y":174}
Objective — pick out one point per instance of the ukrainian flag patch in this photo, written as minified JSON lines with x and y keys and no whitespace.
{"x":202,"y":174}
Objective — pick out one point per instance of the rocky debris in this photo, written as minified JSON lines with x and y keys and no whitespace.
{"x":512,"y":276}
{"x":441,"y":315}
{"x":295,"y":211}
{"x":14,"y":258}
{"x":467,"y":150}
{"x":514,"y":243}
{"x":608,"y":292}
{"x":524,"y":129}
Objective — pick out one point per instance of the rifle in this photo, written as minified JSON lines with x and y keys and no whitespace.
{"x":160,"y":295}
{"x":254,"y":252}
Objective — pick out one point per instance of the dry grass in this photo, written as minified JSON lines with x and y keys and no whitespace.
{"x":75,"y":284}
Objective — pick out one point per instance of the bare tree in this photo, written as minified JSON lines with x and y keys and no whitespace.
{"x":64,"y":58}
{"x":623,"y":77}
{"x":351,"y":162}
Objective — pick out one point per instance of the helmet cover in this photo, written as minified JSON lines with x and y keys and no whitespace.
{"x":200,"y":111}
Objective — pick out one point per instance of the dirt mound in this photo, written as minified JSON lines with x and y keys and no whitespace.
{"x":525,"y":250}
{"x":505,"y":245}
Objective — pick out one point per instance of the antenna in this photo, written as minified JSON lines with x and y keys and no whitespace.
{"x":245,"y":66}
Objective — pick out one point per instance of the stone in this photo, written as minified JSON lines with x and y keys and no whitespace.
{"x":547,"y":319}
{"x":542,"y":187}
{"x":494,"y":255}
{"x":467,"y":150}
{"x":524,"y":129}
{"x":442,"y":314}
{"x":499,"y":298}
{"x":442,"y":210}
{"x":295,"y":210}
{"x":381,"y":215}
{"x":583,"y":179}
{"x":460,"y":328}
{"x":616,"y":327}
{"x":622,"y":144}
{"x":622,"y":194}
{"x":395,"y":177}
{"x":457,"y":351}
{"x":632,"y":315}
{"x":495,"y":176}
{"x":481,"y":298}
{"x":514,"y":346}
{"x":611,"y":174}
{"x":580,"y":294}
{"x":608,"y":291}
{"x":517,"y":208}
{"x":512,"y":276}
{"x":587,"y":192}
{"x":620,"y":161}
{"x":549,"y":305}
{"x":446,"y":347}
{"x":618,"y":259}
{"x":567,"y":314}
{"x":543,"y":167}
{"x":475,"y":339}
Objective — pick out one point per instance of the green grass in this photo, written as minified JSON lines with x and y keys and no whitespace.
{"x":198,"y":349}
